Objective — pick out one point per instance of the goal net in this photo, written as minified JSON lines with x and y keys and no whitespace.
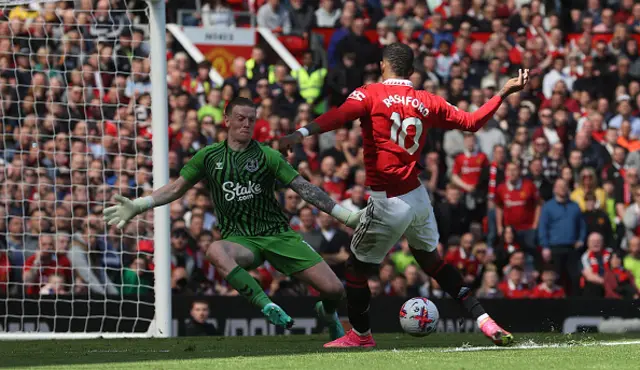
{"x":76,"y":122}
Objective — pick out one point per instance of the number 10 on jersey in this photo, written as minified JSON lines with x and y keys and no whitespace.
{"x":399,"y":132}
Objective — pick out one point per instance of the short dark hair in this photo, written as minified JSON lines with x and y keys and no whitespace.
{"x":243,"y":102}
{"x":400,"y":59}
{"x":199,"y":301}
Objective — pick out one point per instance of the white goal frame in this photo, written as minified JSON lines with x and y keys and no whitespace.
{"x":161,"y":325}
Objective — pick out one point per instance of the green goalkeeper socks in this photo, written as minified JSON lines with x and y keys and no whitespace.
{"x":247,"y":286}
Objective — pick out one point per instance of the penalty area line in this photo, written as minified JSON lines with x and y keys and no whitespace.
{"x":533,"y":345}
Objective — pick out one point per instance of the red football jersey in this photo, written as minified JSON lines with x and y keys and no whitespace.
{"x":5,"y":270}
{"x":59,"y":265}
{"x":394,"y":119}
{"x":541,"y":291}
{"x":518,"y":204}
{"x":513,"y":291}
{"x":469,"y":167}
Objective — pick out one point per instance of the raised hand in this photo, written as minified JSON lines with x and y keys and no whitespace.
{"x":515,"y":84}
{"x":123,"y":212}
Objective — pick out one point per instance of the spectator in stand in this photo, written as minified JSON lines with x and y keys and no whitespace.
{"x":494,"y":77}
{"x":625,"y":113}
{"x":342,"y":31}
{"x":599,"y":220}
{"x":452,"y":216}
{"x":513,"y":287}
{"x":588,"y":184}
{"x":275,"y":17}
{"x":489,"y":136}
{"x":287,"y":103}
{"x":403,"y":258}
{"x":536,"y":175}
{"x":310,"y":80}
{"x":548,"y":289}
{"x":327,"y":16}
{"x":356,"y":200}
{"x":632,"y":260}
{"x":438,"y":31}
{"x":136,"y":279}
{"x":280,"y":73}
{"x":631,"y":216}
{"x":5,"y":272}
{"x":467,"y":173}
{"x":517,"y":204}
{"x":615,"y":171}
{"x":215,"y":13}
{"x":238,"y":78}
{"x":308,"y":229}
{"x":335,"y":244}
{"x":46,"y":262}
{"x":461,"y":256}
{"x":257,"y":67}
{"x":375,"y":286}
{"x":386,"y":275}
{"x":595,"y":263}
{"x":343,"y":79}
{"x":84,"y":257}
{"x":181,"y":255}
{"x":198,"y":324}
{"x":561,"y":232}
{"x":302,"y":18}
{"x":356,"y":42}
{"x":618,"y":282}
{"x":489,"y":288}
{"x":398,"y":286}
{"x":519,"y":259}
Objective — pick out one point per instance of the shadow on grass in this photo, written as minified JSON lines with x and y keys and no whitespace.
{"x":105,"y":351}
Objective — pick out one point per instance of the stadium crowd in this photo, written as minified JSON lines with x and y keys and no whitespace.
{"x":543,"y":202}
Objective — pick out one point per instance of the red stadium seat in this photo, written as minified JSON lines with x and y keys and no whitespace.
{"x":295,"y":44}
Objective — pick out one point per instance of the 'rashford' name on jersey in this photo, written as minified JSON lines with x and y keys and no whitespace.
{"x":242,"y":187}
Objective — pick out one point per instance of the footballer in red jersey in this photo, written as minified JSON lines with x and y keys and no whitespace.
{"x":395,"y":119}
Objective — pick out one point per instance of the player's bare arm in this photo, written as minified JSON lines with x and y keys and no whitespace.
{"x":126,"y":209}
{"x":316,"y":196}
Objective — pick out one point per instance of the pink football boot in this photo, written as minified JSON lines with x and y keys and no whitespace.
{"x":352,"y":340}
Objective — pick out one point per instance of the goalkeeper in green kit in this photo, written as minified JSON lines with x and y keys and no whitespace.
{"x":241,"y":175}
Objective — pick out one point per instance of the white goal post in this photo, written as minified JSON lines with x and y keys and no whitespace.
{"x":83,"y":86}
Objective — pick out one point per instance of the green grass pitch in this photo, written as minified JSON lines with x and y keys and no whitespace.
{"x":394,"y":351}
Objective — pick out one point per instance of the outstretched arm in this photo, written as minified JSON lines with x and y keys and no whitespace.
{"x":316,"y":196}
{"x":453,"y":118}
{"x":352,"y":109}
{"x":126,"y":209}
{"x":170,"y":192}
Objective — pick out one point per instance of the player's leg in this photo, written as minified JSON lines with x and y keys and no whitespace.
{"x":422,"y":236}
{"x":325,"y":281}
{"x":381,"y":227}
{"x":291,"y":255}
{"x":231,"y":258}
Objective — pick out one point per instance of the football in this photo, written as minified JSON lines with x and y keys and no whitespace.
{"x":419,"y":317}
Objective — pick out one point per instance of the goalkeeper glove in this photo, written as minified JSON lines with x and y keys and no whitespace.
{"x":127,"y":209}
{"x":351,"y":219}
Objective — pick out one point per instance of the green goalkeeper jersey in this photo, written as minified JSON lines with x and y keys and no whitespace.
{"x":242,"y":186}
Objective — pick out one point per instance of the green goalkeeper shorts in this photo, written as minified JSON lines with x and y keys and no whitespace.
{"x":287,"y":252}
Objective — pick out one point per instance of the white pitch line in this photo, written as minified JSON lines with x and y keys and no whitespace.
{"x":533,"y":345}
